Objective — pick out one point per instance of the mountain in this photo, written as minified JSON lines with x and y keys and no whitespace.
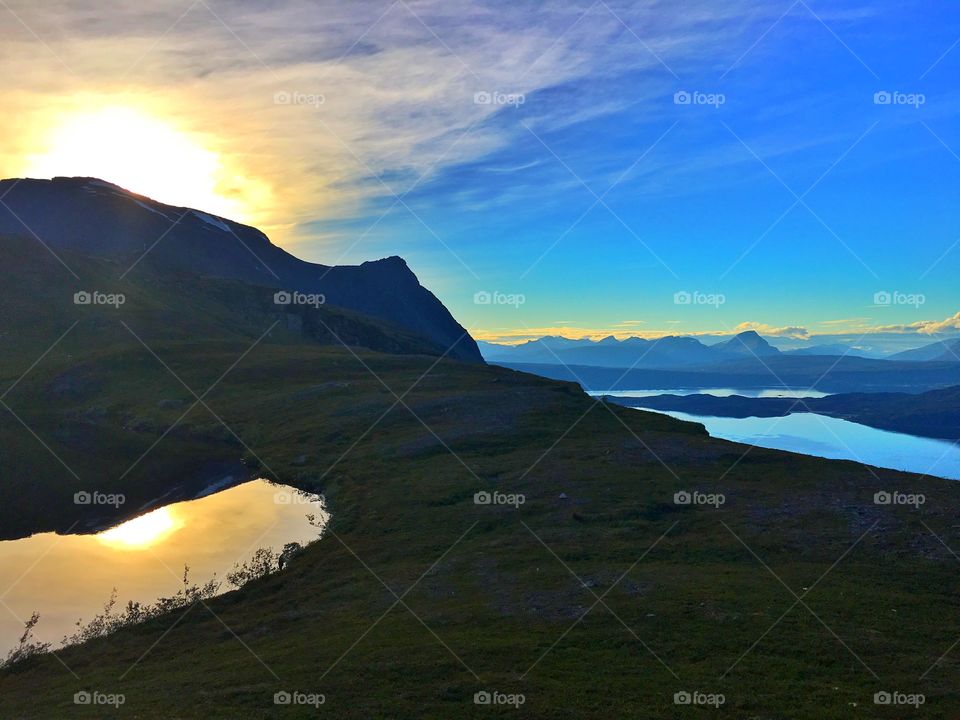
{"x":746,"y":360}
{"x":543,"y":347}
{"x":941,"y":351}
{"x":935,"y":413}
{"x":199,"y":327}
{"x":610,"y":352}
{"x":491,"y":588}
{"x":191,"y":370}
{"x":99,"y":219}
{"x":746,"y":344}
{"x":665,"y":352}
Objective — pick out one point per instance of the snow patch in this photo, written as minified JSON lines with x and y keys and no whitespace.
{"x":211,"y":220}
{"x":153,"y":210}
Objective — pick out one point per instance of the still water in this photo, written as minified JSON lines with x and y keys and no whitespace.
{"x":718,"y":392}
{"x":69,"y":577}
{"x":828,"y":437}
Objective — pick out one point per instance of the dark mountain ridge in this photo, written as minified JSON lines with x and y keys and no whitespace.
{"x":190,"y":321}
{"x":96,"y":218}
{"x":941,"y":351}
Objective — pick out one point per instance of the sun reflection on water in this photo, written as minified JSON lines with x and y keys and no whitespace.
{"x":143,"y":531}
{"x":66,"y":577}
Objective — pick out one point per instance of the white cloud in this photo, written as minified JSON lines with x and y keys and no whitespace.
{"x":925,"y":327}
{"x":791,"y":331}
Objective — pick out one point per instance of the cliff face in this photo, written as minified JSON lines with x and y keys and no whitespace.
{"x":99,"y":219}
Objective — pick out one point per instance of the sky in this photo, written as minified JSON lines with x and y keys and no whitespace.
{"x":564,"y":168}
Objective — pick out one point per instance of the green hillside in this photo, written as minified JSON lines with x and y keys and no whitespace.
{"x":597,"y":597}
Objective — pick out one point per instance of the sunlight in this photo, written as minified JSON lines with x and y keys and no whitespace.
{"x":139,"y":152}
{"x":143,"y":531}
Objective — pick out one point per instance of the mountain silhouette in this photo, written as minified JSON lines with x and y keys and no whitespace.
{"x":941,"y":351}
{"x":666,"y":352}
{"x":99,"y":219}
{"x":746,"y":344}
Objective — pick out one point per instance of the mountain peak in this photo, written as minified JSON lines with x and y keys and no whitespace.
{"x":748,"y":343}
{"x":391,"y":263}
{"x":94,"y":217}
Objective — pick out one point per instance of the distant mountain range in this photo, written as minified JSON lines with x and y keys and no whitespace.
{"x":99,"y":219}
{"x":665,"y":352}
{"x":682,"y":353}
{"x":941,"y":351}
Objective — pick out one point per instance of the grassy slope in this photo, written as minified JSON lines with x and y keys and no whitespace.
{"x":100,"y":399}
{"x":500,"y":600}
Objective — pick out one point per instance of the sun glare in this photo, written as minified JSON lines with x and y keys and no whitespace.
{"x":143,"y":531}
{"x":141,"y":153}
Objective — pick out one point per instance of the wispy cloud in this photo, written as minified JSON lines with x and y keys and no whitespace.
{"x":398,"y":83}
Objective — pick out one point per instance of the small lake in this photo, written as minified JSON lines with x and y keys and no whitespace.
{"x":828,"y":437}
{"x":69,"y":577}
{"x":718,"y":392}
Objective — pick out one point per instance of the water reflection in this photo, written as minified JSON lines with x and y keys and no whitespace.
{"x":143,"y":531}
{"x":69,"y":577}
{"x":718,"y":392}
{"x":829,"y":437}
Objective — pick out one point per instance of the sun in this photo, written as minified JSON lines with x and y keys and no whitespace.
{"x":143,"y":531}
{"x":139,"y":152}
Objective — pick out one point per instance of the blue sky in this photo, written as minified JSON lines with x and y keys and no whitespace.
{"x":695,"y":213}
{"x":782,"y":197}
